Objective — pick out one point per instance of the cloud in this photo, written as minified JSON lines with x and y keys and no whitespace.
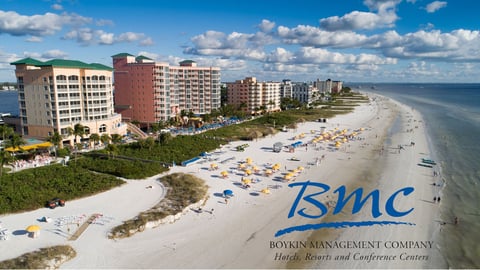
{"x":34,"y":39}
{"x":57,"y":7}
{"x":88,"y":36}
{"x":15,"y":24}
{"x":434,"y":6}
{"x":383,"y":16}
{"x":312,"y":36}
{"x":266,"y":26}
{"x":54,"y":54}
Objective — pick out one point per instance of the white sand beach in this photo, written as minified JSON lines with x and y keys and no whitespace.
{"x":238,"y":234}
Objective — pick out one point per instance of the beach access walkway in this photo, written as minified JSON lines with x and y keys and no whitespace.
{"x":84,"y":226}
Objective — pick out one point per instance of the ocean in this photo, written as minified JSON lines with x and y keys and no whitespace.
{"x":452,"y":116}
{"x":9,"y":102}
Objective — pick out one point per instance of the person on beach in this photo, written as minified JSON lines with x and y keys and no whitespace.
{"x":456,"y":221}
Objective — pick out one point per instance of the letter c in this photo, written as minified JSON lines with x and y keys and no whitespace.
{"x":389,"y":205}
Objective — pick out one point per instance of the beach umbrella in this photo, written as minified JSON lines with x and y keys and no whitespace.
{"x":249,"y":160}
{"x":241,"y":165}
{"x":266,"y":191}
{"x":213,"y":166}
{"x":300,"y":168}
{"x":224,"y":173}
{"x":287,"y":177}
{"x":246,"y":181}
{"x":255,"y":168}
{"x":227,"y":193}
{"x":268,"y":172}
{"x":33,"y":228}
{"x":248,"y":172}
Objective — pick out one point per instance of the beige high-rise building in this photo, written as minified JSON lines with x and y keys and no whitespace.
{"x":251,"y":96}
{"x":58,"y":94}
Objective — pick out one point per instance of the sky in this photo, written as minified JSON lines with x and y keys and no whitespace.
{"x":301,"y":40}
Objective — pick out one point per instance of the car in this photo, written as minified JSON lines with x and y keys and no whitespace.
{"x":53,"y":203}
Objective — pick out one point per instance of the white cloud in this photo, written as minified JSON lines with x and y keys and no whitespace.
{"x":37,"y":25}
{"x":57,"y":7}
{"x":435,"y":5}
{"x":54,"y":54}
{"x":313,"y":36}
{"x":34,"y":39}
{"x":266,"y":25}
{"x":88,"y":36}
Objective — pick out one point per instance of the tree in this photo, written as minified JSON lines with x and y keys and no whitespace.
{"x":56,"y":139}
{"x":5,"y":131}
{"x":78,"y":130}
{"x":164,"y":137}
{"x":5,"y":158}
{"x":16,"y":141}
{"x":95,"y":138}
{"x":111,"y":150}
{"x":116,"y":138}
{"x":105,"y":138}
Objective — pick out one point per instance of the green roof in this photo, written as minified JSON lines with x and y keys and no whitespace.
{"x":122,"y":55}
{"x":141,"y":57}
{"x":26,"y":61}
{"x":61,"y":63}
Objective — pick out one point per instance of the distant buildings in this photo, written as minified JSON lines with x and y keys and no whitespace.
{"x":149,"y":91}
{"x":252,"y":96}
{"x":57,"y":94}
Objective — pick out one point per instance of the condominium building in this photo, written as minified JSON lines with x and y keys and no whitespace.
{"x":252,"y":96}
{"x":58,"y":94}
{"x":328,"y":86}
{"x":148,"y":92}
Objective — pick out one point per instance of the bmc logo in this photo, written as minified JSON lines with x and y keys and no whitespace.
{"x":310,"y":192}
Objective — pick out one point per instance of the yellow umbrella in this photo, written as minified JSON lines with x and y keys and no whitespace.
{"x":248,"y":171}
{"x":266,"y":191}
{"x":268,"y":172}
{"x":246,"y":181}
{"x":33,"y":228}
{"x":287,"y":177}
{"x":255,"y":168}
{"x":249,"y":160}
{"x":242,"y":165}
{"x":300,"y":168}
{"x":224,"y":173}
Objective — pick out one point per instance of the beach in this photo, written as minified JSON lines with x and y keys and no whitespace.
{"x":240,"y":232}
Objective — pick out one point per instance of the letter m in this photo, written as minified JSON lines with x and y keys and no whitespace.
{"x":358,"y":203}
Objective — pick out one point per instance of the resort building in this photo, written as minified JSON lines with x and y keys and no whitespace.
{"x":252,"y":96}
{"x":148,"y":92}
{"x":305,"y":92}
{"x":58,"y":94}
{"x":328,"y":86}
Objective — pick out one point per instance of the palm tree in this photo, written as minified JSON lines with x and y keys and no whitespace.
{"x":95,"y":138}
{"x":111,"y":150}
{"x":116,"y":138}
{"x":105,"y":138}
{"x":56,"y":139}
{"x":5,"y":158}
{"x":78,"y":130}
{"x":5,"y":131}
{"x":16,"y":141}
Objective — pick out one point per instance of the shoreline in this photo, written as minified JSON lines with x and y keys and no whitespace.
{"x":242,"y":229}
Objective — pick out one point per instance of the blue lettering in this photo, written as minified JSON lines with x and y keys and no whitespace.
{"x":389,"y":205}
{"x":308,"y":198}
{"x":358,"y":203}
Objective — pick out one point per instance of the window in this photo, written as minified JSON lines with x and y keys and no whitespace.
{"x":103,"y":128}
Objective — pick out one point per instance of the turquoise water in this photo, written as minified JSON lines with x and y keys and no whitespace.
{"x":452,"y":116}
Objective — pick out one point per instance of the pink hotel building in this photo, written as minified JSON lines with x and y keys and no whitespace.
{"x":149,"y":91}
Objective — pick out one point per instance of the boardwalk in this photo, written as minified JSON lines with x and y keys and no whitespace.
{"x":84,"y":226}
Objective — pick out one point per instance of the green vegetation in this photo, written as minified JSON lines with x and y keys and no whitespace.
{"x":130,"y":169}
{"x":44,"y":258}
{"x":182,"y":191}
{"x":29,"y":189}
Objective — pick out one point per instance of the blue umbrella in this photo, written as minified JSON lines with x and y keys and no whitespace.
{"x":227,"y":192}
